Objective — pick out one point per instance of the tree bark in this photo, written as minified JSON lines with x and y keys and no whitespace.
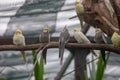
{"x":99,"y":13}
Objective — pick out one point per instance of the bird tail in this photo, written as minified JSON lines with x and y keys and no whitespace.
{"x":25,"y":59}
{"x":24,"y":56}
{"x":44,"y":55}
{"x":81,"y":21}
{"x":103,"y":55}
{"x":93,"y":52}
{"x":61,"y":52}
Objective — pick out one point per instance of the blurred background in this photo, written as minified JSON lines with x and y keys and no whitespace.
{"x":30,"y":16}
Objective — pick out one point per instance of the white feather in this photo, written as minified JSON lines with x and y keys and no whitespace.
{"x":81,"y":38}
{"x":19,"y":39}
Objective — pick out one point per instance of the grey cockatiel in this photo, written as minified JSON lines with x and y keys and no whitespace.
{"x":44,"y":38}
{"x":63,"y":39}
{"x":81,"y":38}
{"x":100,"y":39}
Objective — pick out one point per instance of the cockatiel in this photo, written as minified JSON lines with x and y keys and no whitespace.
{"x":19,"y":40}
{"x":63,"y":39}
{"x":116,"y":39}
{"x":45,"y":38}
{"x":80,"y":11}
{"x":81,"y":38}
{"x":100,"y":39}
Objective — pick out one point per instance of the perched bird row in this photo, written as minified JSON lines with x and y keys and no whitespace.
{"x":19,"y":40}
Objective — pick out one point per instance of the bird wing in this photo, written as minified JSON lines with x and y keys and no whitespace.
{"x":119,"y":40}
{"x":99,"y":37}
{"x":49,"y":37}
{"x":19,"y":40}
{"x":104,"y":38}
{"x":66,"y":36}
{"x":23,"y":40}
{"x":61,"y":45}
{"x":115,"y":39}
{"x":40,"y":38}
{"x":84,"y":38}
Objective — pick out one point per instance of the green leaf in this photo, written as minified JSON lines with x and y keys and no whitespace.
{"x":3,"y":78}
{"x":101,"y":67}
{"x":39,"y":68}
{"x":84,"y":76}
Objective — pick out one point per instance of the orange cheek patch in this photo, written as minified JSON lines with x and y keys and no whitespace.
{"x":75,"y":30}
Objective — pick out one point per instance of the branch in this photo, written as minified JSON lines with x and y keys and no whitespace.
{"x":101,"y":15}
{"x":73,"y":46}
{"x":35,"y":40}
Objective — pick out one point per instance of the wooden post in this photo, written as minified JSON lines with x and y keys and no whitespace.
{"x":80,"y":62}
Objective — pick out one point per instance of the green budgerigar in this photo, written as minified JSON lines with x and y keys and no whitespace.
{"x":116,"y":39}
{"x":80,"y":11}
{"x":19,"y":40}
{"x":81,"y":38}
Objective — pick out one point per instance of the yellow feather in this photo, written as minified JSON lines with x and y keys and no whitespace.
{"x":116,"y":39}
{"x":80,"y":11}
{"x":24,"y":56}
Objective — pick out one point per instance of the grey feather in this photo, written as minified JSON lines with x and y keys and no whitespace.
{"x":64,"y":37}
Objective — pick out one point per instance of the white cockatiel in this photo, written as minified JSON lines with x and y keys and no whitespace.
{"x":81,"y":38}
{"x":80,"y":11}
{"x":19,"y":40}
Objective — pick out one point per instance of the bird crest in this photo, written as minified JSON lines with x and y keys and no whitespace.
{"x":65,"y":28}
{"x":46,"y":29}
{"x":97,"y":30}
{"x":77,"y":2}
{"x":18,"y":31}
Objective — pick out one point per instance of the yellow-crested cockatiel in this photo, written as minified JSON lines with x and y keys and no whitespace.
{"x":19,"y":40}
{"x":80,"y":11}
